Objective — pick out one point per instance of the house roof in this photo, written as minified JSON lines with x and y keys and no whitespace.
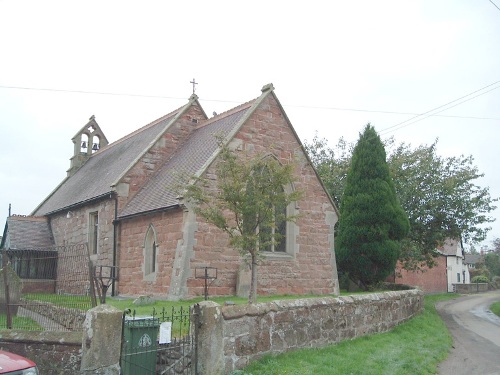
{"x":473,"y":258}
{"x":27,"y":233}
{"x":105,"y":167}
{"x":451,"y":247}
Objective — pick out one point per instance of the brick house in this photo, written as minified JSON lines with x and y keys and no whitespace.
{"x":119,"y":199}
{"x":450,"y":269}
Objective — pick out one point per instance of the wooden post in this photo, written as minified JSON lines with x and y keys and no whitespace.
{"x":7,"y":292}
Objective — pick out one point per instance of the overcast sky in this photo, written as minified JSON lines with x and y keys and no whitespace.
{"x":336,"y":65}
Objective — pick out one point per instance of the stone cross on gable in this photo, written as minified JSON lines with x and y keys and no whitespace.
{"x":194,"y":83}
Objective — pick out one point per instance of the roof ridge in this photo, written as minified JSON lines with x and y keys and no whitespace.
{"x":227,"y":113}
{"x":137,"y":131}
{"x":28,"y":217}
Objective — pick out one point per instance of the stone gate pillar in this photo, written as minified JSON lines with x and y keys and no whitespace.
{"x":101,"y":343}
{"x":210,"y":350}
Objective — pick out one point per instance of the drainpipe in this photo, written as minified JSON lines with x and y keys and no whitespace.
{"x":115,"y":235}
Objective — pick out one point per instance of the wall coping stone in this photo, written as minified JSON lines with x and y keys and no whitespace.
{"x":45,"y":337}
{"x":237,"y":311}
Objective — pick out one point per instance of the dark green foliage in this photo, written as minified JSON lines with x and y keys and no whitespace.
{"x":441,"y":198}
{"x":492,"y":263}
{"x":441,"y":195}
{"x":480,"y":279}
{"x":372,"y":222}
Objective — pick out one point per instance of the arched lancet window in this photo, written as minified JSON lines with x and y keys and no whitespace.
{"x":277,"y":231}
{"x":272,"y":234}
{"x":150,"y":255}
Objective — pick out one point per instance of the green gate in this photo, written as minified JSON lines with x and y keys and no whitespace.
{"x":162,"y":343}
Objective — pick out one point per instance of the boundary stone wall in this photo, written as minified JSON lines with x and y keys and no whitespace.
{"x":54,"y":352}
{"x":470,"y":288}
{"x":232,"y":336}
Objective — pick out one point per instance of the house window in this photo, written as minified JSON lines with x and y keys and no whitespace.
{"x":279,"y":236}
{"x":150,"y":256}
{"x":93,"y":232}
{"x":458,"y":276}
{"x":277,"y":232}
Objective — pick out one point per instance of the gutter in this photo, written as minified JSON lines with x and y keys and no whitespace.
{"x":79,"y":204}
{"x":156,"y":210}
{"x":115,"y":235}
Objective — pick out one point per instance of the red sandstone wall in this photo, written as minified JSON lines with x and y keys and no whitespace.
{"x":309,"y":271}
{"x":433,"y":280}
{"x":169,"y":227}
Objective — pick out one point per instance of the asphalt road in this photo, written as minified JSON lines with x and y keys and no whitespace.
{"x":476,"y":335}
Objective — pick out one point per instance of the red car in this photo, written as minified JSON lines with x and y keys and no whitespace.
{"x":13,"y":364}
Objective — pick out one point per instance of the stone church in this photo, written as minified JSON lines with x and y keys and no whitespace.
{"x":118,"y":198}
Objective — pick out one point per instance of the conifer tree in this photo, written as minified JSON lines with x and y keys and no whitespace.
{"x":372,"y":222}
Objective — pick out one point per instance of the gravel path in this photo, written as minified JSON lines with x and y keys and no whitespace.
{"x":476,"y":335}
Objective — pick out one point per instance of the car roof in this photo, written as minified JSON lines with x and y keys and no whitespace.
{"x":11,"y":362}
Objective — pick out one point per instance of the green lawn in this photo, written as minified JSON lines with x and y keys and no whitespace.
{"x":19,"y":323}
{"x":415,"y":347}
{"x":495,"y":308}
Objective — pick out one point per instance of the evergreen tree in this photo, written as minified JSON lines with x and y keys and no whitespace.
{"x":372,"y":222}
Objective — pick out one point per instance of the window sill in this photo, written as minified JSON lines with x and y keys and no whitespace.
{"x":276,"y":255}
{"x":150,"y":277}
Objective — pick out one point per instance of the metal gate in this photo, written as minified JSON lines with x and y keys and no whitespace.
{"x":162,"y":343}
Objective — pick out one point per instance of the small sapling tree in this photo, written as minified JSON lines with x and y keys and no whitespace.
{"x":247,"y":200}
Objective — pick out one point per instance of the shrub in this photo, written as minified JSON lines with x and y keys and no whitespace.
{"x":480,"y":279}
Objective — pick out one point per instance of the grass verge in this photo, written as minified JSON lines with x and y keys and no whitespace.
{"x":415,"y":347}
{"x":495,"y":308}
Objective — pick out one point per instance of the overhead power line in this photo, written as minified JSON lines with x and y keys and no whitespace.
{"x":416,"y":115}
{"x":441,"y":108}
{"x":496,"y":6}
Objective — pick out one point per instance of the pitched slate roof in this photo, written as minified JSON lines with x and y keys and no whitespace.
{"x":28,"y":233}
{"x":103,"y":168}
{"x":189,"y":159}
{"x":450,"y":248}
{"x":473,"y":258}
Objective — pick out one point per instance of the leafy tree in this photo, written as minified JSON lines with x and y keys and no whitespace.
{"x":372,"y":222}
{"x":247,"y":201}
{"x":440,"y":195}
{"x":496,"y":246}
{"x":441,"y":198}
{"x":331,"y":164}
{"x":492,"y":263}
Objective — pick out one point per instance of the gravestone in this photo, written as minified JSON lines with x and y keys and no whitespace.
{"x":243,"y":281}
{"x":15,"y":285}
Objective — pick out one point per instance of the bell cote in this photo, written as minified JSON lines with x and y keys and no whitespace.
{"x":86,"y":142}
